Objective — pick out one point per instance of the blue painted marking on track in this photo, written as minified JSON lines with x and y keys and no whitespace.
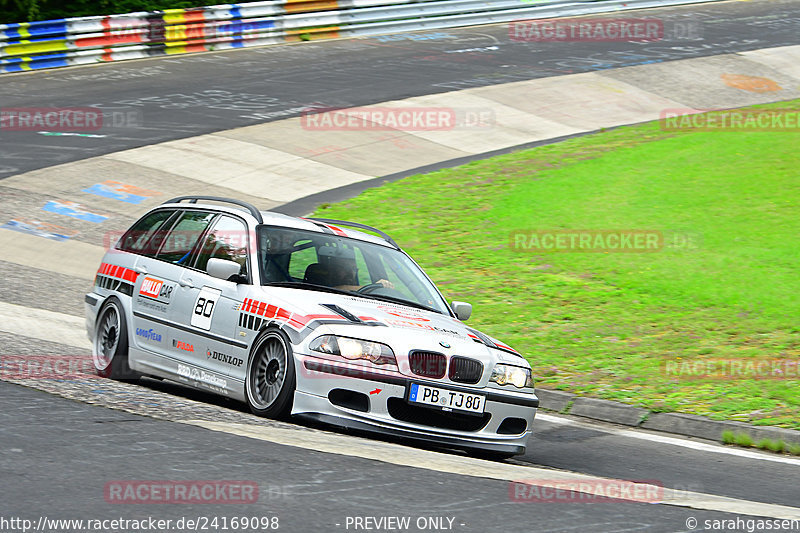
{"x":32,"y":228}
{"x":74,"y":210}
{"x":106,"y":191}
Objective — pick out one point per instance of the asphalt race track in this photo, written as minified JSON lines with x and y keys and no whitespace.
{"x":63,"y":442}
{"x":161,"y":99}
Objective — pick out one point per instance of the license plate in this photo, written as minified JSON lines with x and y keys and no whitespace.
{"x":447,"y":400}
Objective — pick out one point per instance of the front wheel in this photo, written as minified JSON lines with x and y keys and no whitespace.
{"x":110,"y":352}
{"x":270,"y":382}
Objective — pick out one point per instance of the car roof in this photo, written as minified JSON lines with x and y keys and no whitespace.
{"x":271,"y":218}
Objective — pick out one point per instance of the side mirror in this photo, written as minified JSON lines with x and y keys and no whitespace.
{"x":463,"y":310}
{"x":222,"y":268}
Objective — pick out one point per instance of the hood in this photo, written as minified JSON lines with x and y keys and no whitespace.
{"x":409,"y":328}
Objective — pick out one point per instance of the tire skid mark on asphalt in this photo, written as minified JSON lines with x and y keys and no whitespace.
{"x":439,"y":462}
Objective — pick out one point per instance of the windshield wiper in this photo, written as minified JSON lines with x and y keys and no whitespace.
{"x":392,"y":299}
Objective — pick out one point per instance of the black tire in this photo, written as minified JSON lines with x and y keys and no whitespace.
{"x":270,"y":381}
{"x":110,"y":354}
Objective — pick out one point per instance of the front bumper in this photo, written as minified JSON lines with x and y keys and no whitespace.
{"x":375,"y":401}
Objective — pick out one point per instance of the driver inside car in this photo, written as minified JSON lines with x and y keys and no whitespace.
{"x":343,"y":274}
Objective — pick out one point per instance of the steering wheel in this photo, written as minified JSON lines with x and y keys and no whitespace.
{"x":369,"y":288}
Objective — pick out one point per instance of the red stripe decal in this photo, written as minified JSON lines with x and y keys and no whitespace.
{"x":271,"y":310}
{"x":337,"y":231}
{"x":261,"y":308}
{"x":501,"y":345}
{"x":300,"y":319}
{"x":317,"y":317}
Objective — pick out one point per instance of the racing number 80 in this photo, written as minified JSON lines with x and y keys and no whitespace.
{"x":204,"y":307}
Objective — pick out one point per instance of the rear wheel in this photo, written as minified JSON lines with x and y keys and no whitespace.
{"x":270,"y":382}
{"x":111,"y":343}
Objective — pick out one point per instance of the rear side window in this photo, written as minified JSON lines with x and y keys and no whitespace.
{"x":183,"y":237}
{"x":138,"y":239}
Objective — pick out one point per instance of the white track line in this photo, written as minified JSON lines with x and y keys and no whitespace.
{"x":674,"y":441}
{"x":440,"y":462}
{"x":44,"y":325}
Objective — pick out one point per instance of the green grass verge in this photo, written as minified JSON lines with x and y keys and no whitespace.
{"x":606,"y":324}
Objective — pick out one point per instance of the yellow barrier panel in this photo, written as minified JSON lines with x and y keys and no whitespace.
{"x":37,"y":47}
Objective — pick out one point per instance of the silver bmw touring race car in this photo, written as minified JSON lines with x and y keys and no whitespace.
{"x":322,"y":319}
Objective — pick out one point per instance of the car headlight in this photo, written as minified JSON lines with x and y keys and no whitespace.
{"x":375,"y":352}
{"x":512,"y":375}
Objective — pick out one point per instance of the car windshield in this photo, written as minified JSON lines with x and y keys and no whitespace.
{"x":293,"y":257}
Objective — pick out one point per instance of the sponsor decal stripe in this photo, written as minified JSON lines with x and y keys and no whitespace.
{"x":503,"y":346}
{"x":296,"y":320}
{"x":299,"y":321}
{"x":115,"y":271}
{"x":337,"y":231}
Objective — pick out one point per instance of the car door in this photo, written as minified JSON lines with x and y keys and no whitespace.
{"x":210,"y":309}
{"x":157,"y":304}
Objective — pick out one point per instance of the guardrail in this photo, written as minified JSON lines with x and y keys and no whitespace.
{"x":85,"y":40}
